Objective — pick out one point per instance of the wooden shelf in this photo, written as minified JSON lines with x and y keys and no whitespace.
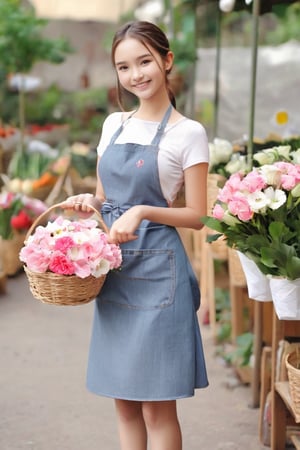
{"x":282,"y":387}
{"x":282,"y":408}
{"x":296,"y":441}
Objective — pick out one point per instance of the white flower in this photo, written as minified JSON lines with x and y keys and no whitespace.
{"x":226,"y":5}
{"x":267,"y":156}
{"x":271,"y":174}
{"x":258,"y":201}
{"x":284,"y":150}
{"x":276,"y":197}
{"x":220,"y":151}
{"x":236,"y":164}
{"x":100,"y":268}
{"x":296,"y":156}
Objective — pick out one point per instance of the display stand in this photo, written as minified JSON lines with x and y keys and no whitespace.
{"x":282,"y":408}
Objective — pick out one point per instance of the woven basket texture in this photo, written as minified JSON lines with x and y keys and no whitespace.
{"x":9,"y":254}
{"x":292,"y":363}
{"x":64,"y":290}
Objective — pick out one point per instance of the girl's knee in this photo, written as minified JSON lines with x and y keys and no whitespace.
{"x":159,"y":413}
{"x":128,"y":410}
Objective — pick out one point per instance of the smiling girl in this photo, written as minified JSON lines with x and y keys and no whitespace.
{"x":146,"y":349}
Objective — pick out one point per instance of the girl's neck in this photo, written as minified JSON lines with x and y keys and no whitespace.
{"x":152,"y":111}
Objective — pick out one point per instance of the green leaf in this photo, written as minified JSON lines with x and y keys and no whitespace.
{"x":278,"y":230}
{"x":213,"y":224}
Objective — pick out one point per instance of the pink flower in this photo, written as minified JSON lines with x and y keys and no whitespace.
{"x":239,"y":207}
{"x":36,"y":258}
{"x":232,"y":185}
{"x":253,"y":182}
{"x":63,"y":244}
{"x":218,"y":212}
{"x":82,"y":268}
{"x":60,"y":264}
{"x":290,"y":174}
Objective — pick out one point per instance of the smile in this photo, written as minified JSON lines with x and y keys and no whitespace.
{"x":142,"y":85}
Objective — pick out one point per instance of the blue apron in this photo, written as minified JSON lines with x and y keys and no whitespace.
{"x":146,"y":342}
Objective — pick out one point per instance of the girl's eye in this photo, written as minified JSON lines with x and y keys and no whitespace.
{"x":122,"y":68}
{"x":145,"y":62}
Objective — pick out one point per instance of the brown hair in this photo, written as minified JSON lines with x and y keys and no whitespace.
{"x":150,"y":35}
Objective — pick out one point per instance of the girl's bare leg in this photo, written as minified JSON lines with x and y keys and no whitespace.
{"x":162,"y":425}
{"x":132,"y":430}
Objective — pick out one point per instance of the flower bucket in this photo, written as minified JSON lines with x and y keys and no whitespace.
{"x":258,"y":284}
{"x":286,"y":298}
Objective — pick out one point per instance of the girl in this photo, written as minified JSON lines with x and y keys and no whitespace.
{"x":146,"y":348}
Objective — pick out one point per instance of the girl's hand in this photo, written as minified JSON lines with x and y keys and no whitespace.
{"x":124,"y":228}
{"x":82,"y":203}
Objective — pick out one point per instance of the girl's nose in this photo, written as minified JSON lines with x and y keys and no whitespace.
{"x":136,"y":73}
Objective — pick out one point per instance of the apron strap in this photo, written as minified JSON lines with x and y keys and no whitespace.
{"x":160,"y":129}
{"x":162,"y":126}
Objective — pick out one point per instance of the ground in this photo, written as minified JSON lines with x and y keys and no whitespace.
{"x":44,"y":402}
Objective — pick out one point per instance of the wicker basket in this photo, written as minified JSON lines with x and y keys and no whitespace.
{"x":9,"y":254}
{"x":64,"y":290}
{"x":292,"y":363}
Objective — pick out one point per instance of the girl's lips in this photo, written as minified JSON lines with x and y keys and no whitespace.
{"x":142,"y":85}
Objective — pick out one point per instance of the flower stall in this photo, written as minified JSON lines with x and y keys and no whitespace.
{"x":258,"y":212}
{"x":17,"y":213}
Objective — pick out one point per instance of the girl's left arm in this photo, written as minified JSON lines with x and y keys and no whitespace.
{"x":195,"y":186}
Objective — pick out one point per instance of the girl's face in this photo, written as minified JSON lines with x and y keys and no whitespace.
{"x":140,"y":71}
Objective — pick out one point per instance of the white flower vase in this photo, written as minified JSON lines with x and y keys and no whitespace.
{"x":286,"y":298}
{"x":258,"y":284}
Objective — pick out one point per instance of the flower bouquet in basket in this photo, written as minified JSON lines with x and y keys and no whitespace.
{"x":66,"y":261}
{"x":259,"y":215}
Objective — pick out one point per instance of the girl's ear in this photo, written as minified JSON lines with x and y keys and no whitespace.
{"x":169,"y":61}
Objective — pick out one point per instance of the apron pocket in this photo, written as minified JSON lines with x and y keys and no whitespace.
{"x":145,"y":281}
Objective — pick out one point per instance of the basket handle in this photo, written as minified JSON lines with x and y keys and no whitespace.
{"x":58,"y":205}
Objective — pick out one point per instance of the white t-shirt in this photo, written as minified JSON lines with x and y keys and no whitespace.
{"x":183,"y":144}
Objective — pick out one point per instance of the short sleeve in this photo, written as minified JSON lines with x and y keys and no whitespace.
{"x":110,"y":125}
{"x":195,"y":149}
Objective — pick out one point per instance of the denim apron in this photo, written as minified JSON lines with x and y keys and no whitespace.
{"x":146,"y":342}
